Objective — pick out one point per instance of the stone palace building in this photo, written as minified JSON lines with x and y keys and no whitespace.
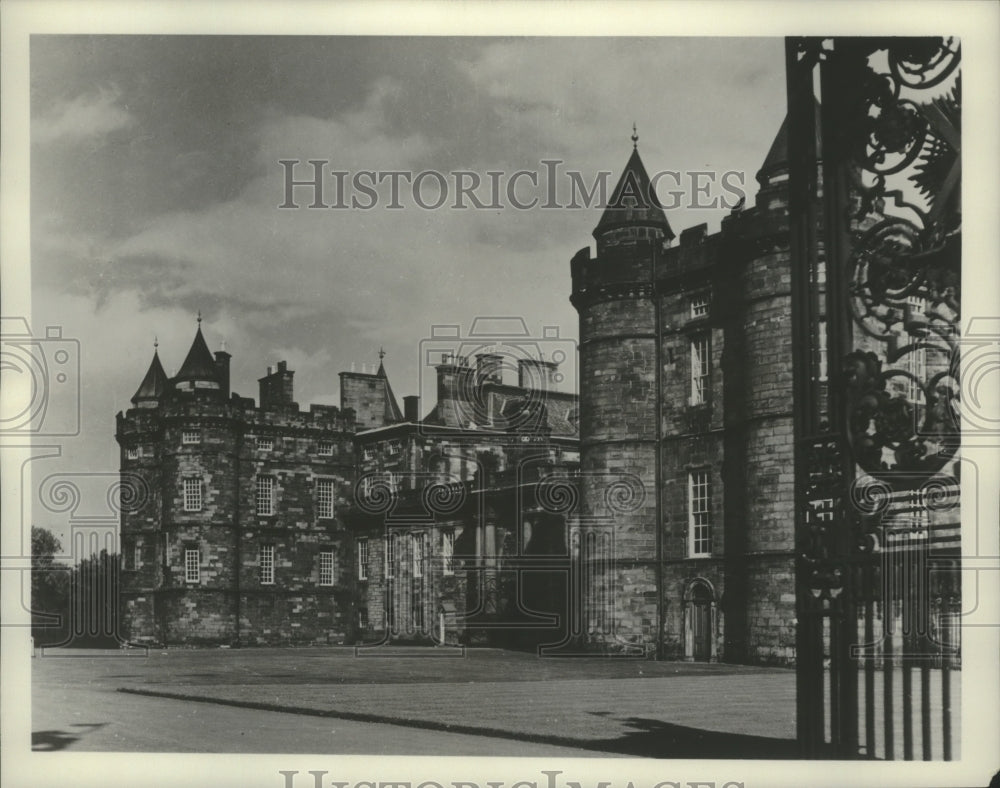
{"x":652,"y":515}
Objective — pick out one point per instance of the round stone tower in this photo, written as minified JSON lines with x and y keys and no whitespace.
{"x":618,"y":540}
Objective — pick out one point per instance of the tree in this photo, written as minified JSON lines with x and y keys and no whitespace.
{"x":49,"y":589}
{"x":95,"y":590}
{"x":72,"y":606}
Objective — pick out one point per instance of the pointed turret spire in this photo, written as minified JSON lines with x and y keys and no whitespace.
{"x":776,"y":161}
{"x":153,"y":384}
{"x":199,"y":366}
{"x":633,"y":203}
{"x":392,"y":411}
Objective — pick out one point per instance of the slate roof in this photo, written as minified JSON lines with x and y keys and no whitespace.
{"x":153,"y":384}
{"x":512,"y":408}
{"x":392,"y":411}
{"x":633,"y":201}
{"x":777,"y":156}
{"x":199,"y":364}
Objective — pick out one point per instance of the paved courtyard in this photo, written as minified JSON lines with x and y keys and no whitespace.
{"x":626,"y":706}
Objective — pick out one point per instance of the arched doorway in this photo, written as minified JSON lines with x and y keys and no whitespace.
{"x":699,"y":622}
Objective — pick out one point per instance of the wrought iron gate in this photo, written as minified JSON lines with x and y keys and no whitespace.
{"x":875,"y":220}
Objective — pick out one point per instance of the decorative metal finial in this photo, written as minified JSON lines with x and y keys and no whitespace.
{"x":381,"y":353}
{"x":199,"y":317}
{"x":156,"y":342}
{"x":635,"y":137}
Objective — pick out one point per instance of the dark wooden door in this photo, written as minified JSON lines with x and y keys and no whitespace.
{"x":702,"y":630}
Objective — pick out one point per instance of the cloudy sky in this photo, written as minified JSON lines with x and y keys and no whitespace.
{"x":155,"y":181}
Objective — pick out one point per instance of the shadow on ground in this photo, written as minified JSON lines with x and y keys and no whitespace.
{"x":658,"y":739}
{"x":50,"y":741}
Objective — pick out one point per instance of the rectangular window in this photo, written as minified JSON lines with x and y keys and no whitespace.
{"x":326,"y":568}
{"x":915,"y":362}
{"x":916,"y":365}
{"x":266,"y":564}
{"x":699,"y":304}
{"x":822,"y":357}
{"x":920,"y":514}
{"x":390,"y":556}
{"x":137,"y":554}
{"x":417,"y":553}
{"x":133,"y":452}
{"x":324,"y":498}
{"x":192,"y":566}
{"x":393,"y":448}
{"x":700,"y":361}
{"x":265,"y":444}
{"x":905,"y":521}
{"x":325,"y":449}
{"x":822,"y":509}
{"x":265,"y":495}
{"x":192,"y":495}
{"x":699,"y":513}
{"x":191,"y":436}
{"x":368,"y":453}
{"x":362,"y":618}
{"x":417,"y":607}
{"x":448,"y":552}
{"x":395,"y":481}
{"x":918,"y":306}
{"x":362,"y":545}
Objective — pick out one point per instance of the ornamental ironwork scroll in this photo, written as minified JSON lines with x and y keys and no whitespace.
{"x":875,"y":221}
{"x":903,"y":129}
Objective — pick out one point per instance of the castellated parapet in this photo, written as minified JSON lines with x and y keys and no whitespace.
{"x":685,"y":385}
{"x":236,"y":535}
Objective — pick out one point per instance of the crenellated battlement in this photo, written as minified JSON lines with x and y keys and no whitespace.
{"x":685,"y":387}
{"x":235,"y":414}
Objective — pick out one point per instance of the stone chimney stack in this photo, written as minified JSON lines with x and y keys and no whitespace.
{"x":222,"y":366}
{"x":489,"y":368}
{"x":536,"y":375}
{"x":411,"y":408}
{"x":276,"y":388}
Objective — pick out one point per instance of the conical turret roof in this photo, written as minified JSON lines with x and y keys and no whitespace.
{"x":199,"y":364}
{"x":392,"y":411}
{"x":634,"y":201}
{"x":776,"y":160}
{"x":153,"y":384}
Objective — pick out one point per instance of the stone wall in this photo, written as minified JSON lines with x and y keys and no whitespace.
{"x":618,"y":429}
{"x":441,"y":590}
{"x":737,"y":430}
{"x":235,"y":445}
{"x":365,"y":394}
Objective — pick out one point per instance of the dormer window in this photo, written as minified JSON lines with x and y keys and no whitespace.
{"x":393,"y":447}
{"x":132,"y":452}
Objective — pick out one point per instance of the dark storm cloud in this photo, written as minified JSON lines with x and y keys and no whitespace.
{"x":155,"y":184}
